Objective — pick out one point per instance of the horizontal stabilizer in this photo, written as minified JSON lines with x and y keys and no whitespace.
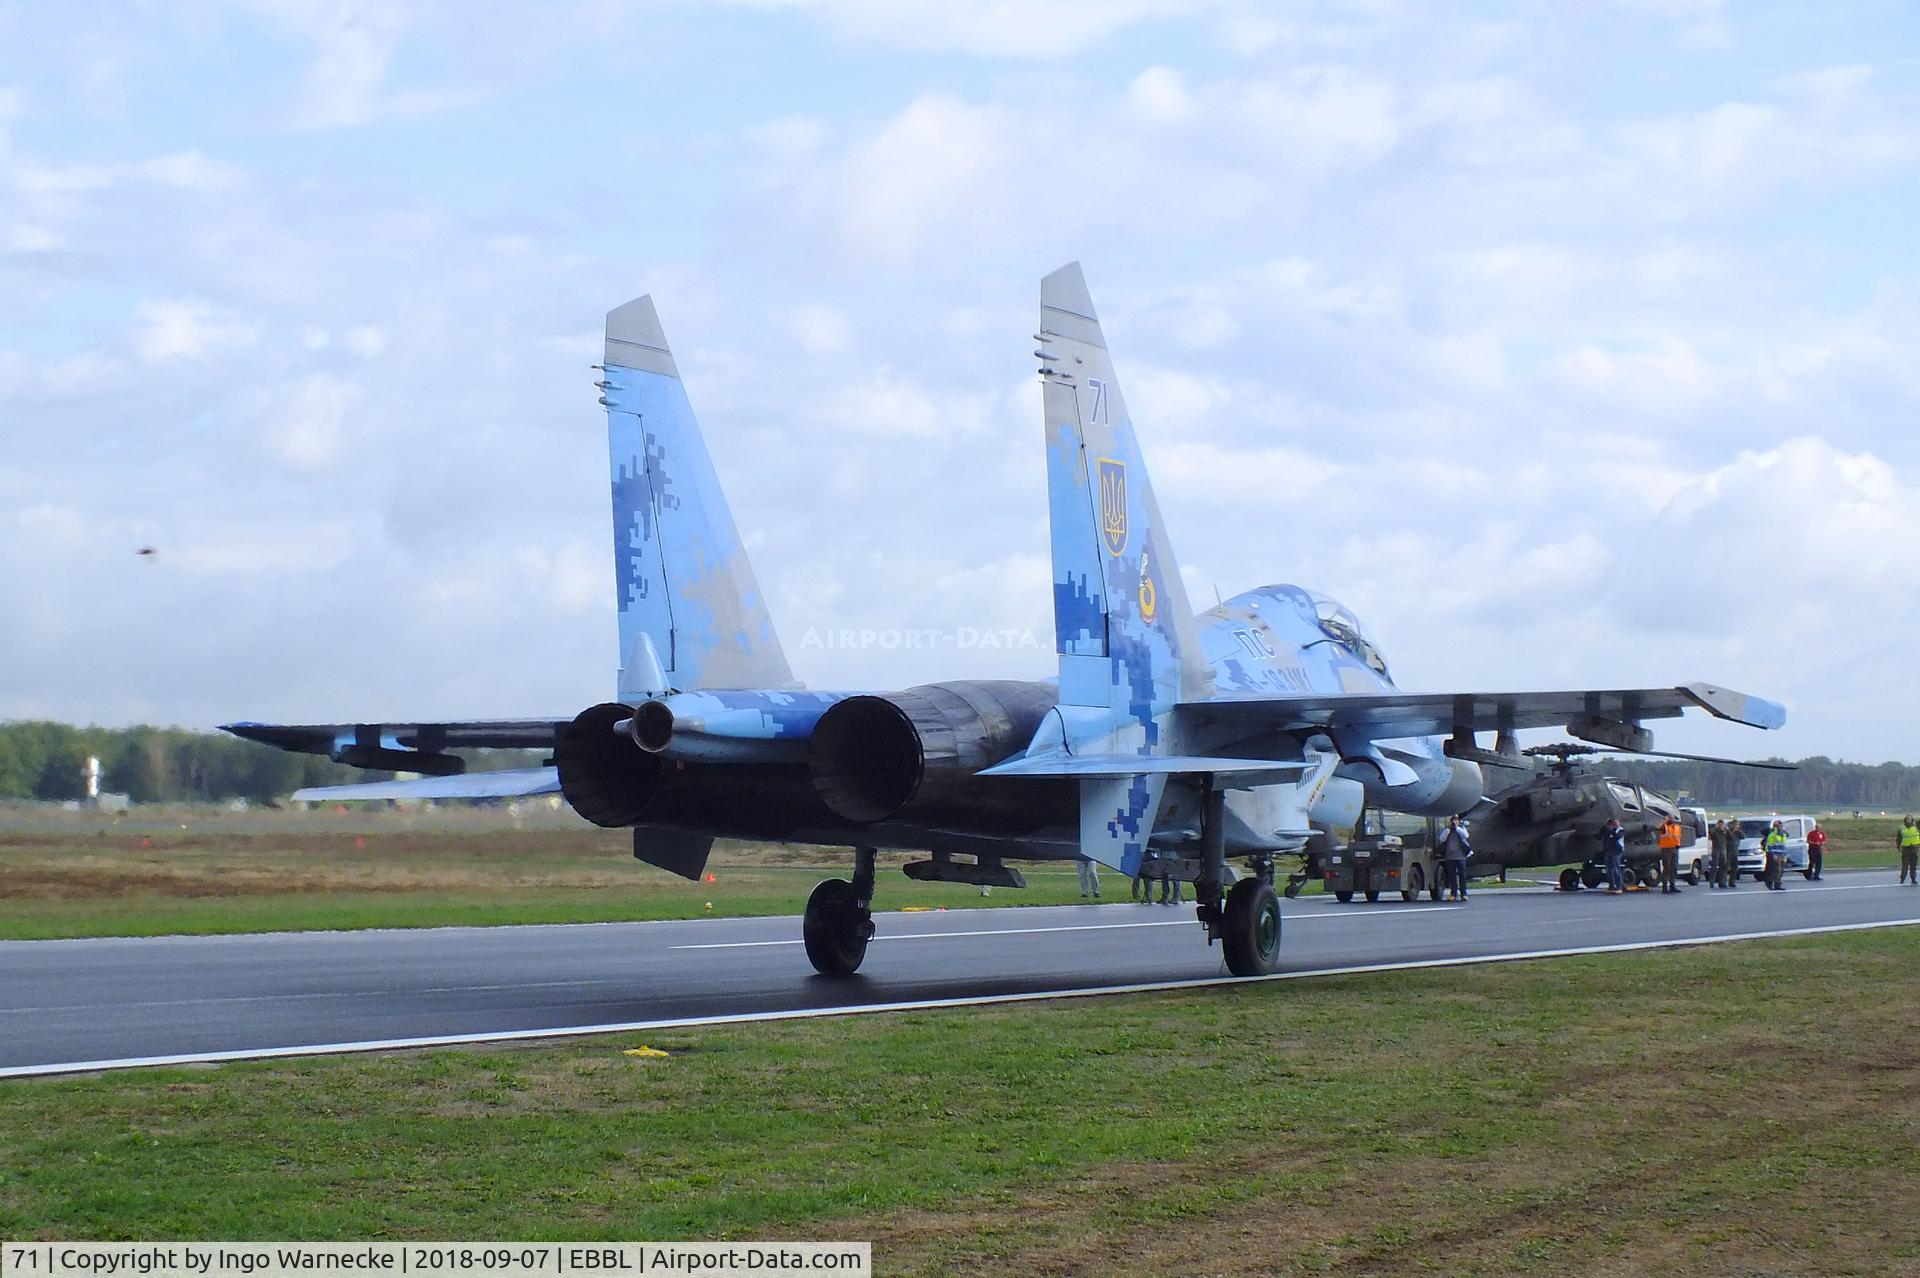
{"x":510,"y":783}
{"x":1132,"y":765}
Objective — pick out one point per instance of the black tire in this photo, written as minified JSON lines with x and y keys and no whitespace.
{"x":1436,"y":887}
{"x":1569,"y":880}
{"x":1696,"y":872}
{"x":1372,"y":896}
{"x":836,"y":930}
{"x":1251,"y":929}
{"x":1591,"y":878}
{"x":1342,"y":897}
{"x":1416,"y":879}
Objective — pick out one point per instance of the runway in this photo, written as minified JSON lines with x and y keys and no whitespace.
{"x":92,"y":1004}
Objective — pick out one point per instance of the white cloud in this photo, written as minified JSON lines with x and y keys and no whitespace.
{"x":12,"y":101}
{"x":188,"y":328}
{"x":192,"y":171}
{"x":1025,"y":29}
{"x":1669,"y":378}
{"x":308,"y":425}
{"x":1160,"y":94}
{"x":926,"y":168}
{"x":821,"y":329}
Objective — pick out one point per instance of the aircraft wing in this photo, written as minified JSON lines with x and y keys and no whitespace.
{"x":1384,"y":716}
{"x":430,"y":738}
{"x":511,"y":783}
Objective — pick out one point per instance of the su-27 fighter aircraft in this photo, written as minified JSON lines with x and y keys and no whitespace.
{"x":1236,"y":734}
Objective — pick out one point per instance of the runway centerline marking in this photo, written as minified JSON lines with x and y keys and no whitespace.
{"x":920,"y":1005}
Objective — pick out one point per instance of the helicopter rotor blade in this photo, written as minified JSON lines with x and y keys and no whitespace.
{"x":1707,"y":758}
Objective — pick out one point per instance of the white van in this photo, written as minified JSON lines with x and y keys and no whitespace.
{"x":1753,"y":829}
{"x":1696,"y":862}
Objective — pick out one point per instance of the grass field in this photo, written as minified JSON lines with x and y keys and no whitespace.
{"x":197,"y":871}
{"x":1736,"y":1109}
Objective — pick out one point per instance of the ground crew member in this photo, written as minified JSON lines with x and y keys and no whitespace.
{"x":1909,"y":842}
{"x":1169,"y":886}
{"x":1775,"y":846}
{"x":1613,"y":845}
{"x":1089,"y":878}
{"x":1669,"y":856}
{"x":1144,"y":876}
{"x":1816,"y":849}
{"x":1721,"y":856}
{"x":1454,"y":851}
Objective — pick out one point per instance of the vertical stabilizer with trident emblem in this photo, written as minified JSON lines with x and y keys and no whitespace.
{"x":1122,"y":627}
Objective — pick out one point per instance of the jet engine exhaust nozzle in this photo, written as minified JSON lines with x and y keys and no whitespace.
{"x":872,"y":757}
{"x":603,"y":776}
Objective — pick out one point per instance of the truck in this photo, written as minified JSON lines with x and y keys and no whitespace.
{"x":1389,"y":852}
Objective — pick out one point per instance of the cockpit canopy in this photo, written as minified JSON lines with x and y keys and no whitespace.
{"x":1339,"y":624}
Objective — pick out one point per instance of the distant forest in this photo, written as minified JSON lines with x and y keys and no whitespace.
{"x":154,"y":765}
{"x":1819,"y":781}
{"x":162,"y":765}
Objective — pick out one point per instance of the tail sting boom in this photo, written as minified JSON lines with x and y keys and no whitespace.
{"x":691,"y":613}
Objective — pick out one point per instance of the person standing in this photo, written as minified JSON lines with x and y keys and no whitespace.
{"x":1454,"y":851}
{"x":1143,"y":877}
{"x":1908,"y":841}
{"x":1775,"y":847}
{"x":1670,"y":856}
{"x":1089,"y":878}
{"x":1816,"y":849}
{"x":1721,"y":857}
{"x":1613,"y":846}
{"x":1169,"y":886}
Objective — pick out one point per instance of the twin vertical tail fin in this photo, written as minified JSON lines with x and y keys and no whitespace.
{"x":1125,"y":635}
{"x":691,"y":612}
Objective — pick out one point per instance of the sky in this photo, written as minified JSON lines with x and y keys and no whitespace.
{"x":1570,"y":345}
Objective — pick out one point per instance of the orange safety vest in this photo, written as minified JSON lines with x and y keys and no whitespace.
{"x":1670,"y":835}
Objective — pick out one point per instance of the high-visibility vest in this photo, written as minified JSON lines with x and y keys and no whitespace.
{"x":1775,"y":838}
{"x":1910,"y":836}
{"x":1670,"y":835}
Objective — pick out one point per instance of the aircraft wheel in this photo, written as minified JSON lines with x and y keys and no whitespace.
{"x":1343,"y":897}
{"x":1591,"y":878}
{"x":1251,"y":929}
{"x":1569,"y":880}
{"x":1416,"y":880}
{"x":1372,"y":896}
{"x":836,"y":929}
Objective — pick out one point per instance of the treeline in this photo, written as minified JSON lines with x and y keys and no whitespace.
{"x":155,"y":765}
{"x":1817,"y":781}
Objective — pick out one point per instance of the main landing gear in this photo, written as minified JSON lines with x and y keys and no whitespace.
{"x":1247,"y":921}
{"x":839,"y":919}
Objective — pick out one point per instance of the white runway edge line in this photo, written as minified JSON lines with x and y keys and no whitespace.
{"x":919,"y":1005}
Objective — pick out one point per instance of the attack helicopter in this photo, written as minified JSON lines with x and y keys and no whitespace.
{"x":1557,"y":816}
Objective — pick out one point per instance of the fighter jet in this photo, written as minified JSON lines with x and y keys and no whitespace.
{"x":1237,"y":734}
